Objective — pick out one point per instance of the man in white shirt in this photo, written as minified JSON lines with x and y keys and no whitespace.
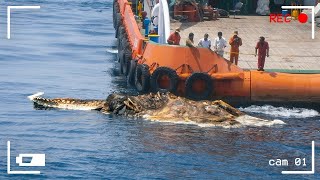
{"x":219,"y":44}
{"x":205,"y":42}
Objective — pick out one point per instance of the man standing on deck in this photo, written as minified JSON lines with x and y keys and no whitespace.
{"x":174,"y":38}
{"x":219,"y":44}
{"x":205,"y":42}
{"x":235,"y":41}
{"x":189,"y":41}
{"x":263,"y":47}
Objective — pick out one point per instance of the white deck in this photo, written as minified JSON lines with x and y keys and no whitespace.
{"x":291,"y":46}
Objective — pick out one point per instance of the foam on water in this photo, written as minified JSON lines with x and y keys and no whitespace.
{"x":245,"y":120}
{"x":281,"y":111}
{"x":112,"y":51}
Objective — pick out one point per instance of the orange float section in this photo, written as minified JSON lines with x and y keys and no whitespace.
{"x":271,"y":86}
{"x":199,"y":59}
{"x":134,"y":36}
{"x":229,"y":80}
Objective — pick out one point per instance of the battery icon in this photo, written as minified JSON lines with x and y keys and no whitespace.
{"x":31,"y":160}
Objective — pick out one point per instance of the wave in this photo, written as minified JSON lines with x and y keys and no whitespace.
{"x":243,"y":121}
{"x":247,"y":120}
{"x":111,"y":50}
{"x":281,"y":111}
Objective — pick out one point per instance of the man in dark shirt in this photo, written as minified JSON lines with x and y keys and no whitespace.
{"x":263,"y":47}
{"x":189,"y":41}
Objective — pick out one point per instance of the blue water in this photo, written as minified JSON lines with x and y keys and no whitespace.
{"x":66,"y":49}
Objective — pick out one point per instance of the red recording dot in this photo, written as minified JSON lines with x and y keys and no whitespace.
{"x":303,"y":18}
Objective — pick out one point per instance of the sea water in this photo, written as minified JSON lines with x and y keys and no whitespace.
{"x":67,"y":49}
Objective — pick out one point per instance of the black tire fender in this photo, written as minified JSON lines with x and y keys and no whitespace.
{"x":125,"y":43}
{"x":190,"y":83}
{"x":118,"y":20}
{"x":161,"y":72}
{"x":120,"y":54}
{"x":120,"y":31}
{"x":114,"y":13}
{"x":125,"y":63}
{"x":119,"y":44}
{"x":131,"y":74}
{"x":142,"y":78}
{"x":121,"y":59}
{"x":120,"y":34}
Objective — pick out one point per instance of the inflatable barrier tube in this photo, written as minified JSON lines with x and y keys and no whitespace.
{"x":125,"y":63}
{"x":168,"y":75}
{"x":199,"y":86}
{"x":142,"y":78}
{"x":130,"y":78}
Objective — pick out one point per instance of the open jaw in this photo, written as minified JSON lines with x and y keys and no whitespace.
{"x":162,"y":107}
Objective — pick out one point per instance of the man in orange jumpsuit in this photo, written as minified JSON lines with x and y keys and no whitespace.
{"x":263,"y":47}
{"x":235,"y":41}
{"x":174,"y":38}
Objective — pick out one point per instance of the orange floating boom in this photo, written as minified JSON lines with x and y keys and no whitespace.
{"x":227,"y":80}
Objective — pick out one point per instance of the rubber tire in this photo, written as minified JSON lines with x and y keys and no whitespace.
{"x":118,"y":20}
{"x":115,"y":7}
{"x":125,"y":63}
{"x":161,"y":71}
{"x":119,"y":32}
{"x":114,"y":13}
{"x":120,"y":54}
{"x":194,"y":95}
{"x":125,"y":43}
{"x":119,"y":35}
{"x":119,"y":44}
{"x":121,"y":59}
{"x":142,"y":78}
{"x":131,"y":74}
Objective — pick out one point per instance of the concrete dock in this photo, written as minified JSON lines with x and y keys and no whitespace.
{"x":291,"y":45}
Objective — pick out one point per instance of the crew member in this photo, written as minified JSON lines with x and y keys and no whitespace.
{"x":174,"y":38}
{"x":219,"y":44}
{"x":235,"y":41}
{"x":263,"y":47}
{"x":189,"y":41}
{"x":205,"y":42}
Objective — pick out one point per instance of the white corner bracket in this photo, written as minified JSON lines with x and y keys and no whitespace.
{"x":304,"y":172}
{"x":312,"y":15}
{"x":37,"y":162}
{"x":9,"y":14}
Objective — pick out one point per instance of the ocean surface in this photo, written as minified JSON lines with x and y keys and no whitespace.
{"x":67,"y":49}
